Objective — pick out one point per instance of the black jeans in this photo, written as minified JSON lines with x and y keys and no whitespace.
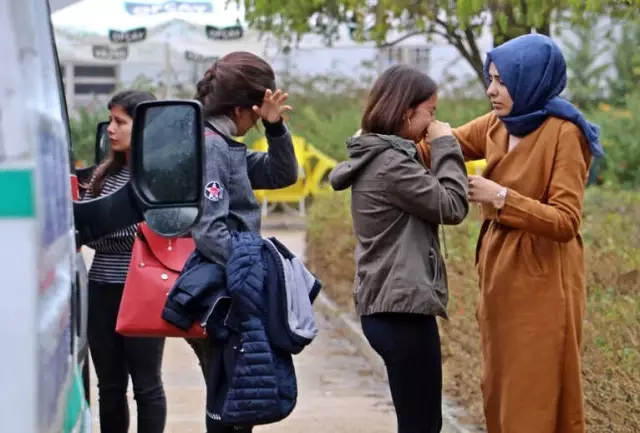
{"x":409,"y":344}
{"x":204,"y":352}
{"x":115,"y":358}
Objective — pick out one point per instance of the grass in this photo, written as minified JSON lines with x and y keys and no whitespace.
{"x":611,"y":360}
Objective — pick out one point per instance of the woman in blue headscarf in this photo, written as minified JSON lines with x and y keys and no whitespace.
{"x":530,"y":259}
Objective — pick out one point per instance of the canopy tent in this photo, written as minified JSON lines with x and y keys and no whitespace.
{"x":122,"y":21}
{"x":152,"y":31}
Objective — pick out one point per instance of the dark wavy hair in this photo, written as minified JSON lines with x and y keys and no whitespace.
{"x":238,"y":79}
{"x":128,"y":100}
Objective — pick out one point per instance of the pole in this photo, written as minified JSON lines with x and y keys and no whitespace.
{"x":168,"y":76}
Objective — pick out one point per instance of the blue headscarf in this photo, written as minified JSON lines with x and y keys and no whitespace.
{"x":535,"y":73}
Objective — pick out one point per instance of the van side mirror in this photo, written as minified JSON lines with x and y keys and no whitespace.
{"x":167,"y":156}
{"x":102,"y":144}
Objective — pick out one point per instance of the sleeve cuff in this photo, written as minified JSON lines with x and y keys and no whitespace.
{"x":277,"y":129}
{"x":514,"y":206}
{"x":514,"y":200}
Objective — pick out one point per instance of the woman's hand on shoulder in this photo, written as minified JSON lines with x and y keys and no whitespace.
{"x":438,"y":129}
{"x":272,"y":106}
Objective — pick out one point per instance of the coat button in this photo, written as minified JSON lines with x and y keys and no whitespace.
{"x":141,"y":265}
{"x":164,"y":277}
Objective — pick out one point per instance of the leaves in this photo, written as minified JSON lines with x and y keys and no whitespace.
{"x":83,"y":131}
{"x":583,"y":53}
{"x":620,"y":131}
{"x":459,"y":22}
{"x":626,"y":63}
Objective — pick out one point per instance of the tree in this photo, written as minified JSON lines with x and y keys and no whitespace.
{"x":583,"y":52}
{"x":626,"y":64}
{"x":459,"y":22}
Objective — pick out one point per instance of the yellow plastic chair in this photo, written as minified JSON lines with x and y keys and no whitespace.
{"x":320,"y":166}
{"x":295,"y":193}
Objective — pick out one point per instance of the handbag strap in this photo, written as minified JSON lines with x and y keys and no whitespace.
{"x":140,"y":235}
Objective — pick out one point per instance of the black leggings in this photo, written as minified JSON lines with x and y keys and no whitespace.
{"x":409,"y":344}
{"x":115,"y":358}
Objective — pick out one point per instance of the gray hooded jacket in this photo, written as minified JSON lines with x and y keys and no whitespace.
{"x":397,"y":205}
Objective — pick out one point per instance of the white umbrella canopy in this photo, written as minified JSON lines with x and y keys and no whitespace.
{"x":182,"y":35}
{"x":213,"y":28}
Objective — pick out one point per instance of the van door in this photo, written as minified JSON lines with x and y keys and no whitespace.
{"x":37,"y":253}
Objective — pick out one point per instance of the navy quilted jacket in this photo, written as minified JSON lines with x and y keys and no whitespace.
{"x":252,"y":379}
{"x":250,"y":382}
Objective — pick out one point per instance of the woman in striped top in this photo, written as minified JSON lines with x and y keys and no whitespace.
{"x":115,"y":357}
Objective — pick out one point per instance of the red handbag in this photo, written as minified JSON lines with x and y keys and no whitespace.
{"x":155,"y":265}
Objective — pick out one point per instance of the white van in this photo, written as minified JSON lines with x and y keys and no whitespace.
{"x":43,"y":311}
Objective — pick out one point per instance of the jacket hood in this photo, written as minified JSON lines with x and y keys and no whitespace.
{"x":362,"y":150}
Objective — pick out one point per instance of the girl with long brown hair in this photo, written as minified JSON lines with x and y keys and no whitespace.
{"x":115,"y":357}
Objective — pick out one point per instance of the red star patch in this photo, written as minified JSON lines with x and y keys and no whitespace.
{"x":213,"y":191}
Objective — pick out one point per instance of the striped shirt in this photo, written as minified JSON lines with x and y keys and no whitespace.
{"x":113,"y":252}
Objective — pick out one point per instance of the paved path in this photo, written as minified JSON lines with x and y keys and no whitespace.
{"x":338,"y":392}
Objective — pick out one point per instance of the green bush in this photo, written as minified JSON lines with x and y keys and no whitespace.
{"x":609,"y":93}
{"x":83,"y":132}
{"x":611,"y":361}
{"x":626,"y":64}
{"x":620,"y":129}
{"x":331,"y":245}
